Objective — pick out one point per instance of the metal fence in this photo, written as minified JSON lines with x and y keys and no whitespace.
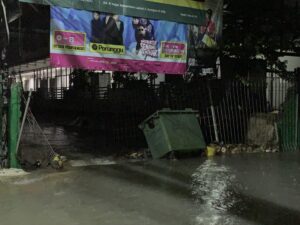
{"x":224,"y":116}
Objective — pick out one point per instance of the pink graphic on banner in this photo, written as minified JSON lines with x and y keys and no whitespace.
{"x":99,"y":63}
{"x":69,"y":38}
{"x":173,"y":48}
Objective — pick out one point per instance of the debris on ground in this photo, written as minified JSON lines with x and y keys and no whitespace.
{"x":135,"y":155}
{"x":262,"y":136}
{"x":243,"y":148}
{"x":57,"y":161}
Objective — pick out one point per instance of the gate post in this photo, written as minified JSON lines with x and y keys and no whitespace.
{"x":14,"y":115}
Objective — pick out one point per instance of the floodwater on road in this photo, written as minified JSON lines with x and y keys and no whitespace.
{"x":245,"y":189}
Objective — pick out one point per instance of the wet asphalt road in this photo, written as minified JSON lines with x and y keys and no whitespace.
{"x":249,"y":189}
{"x":252,"y":189}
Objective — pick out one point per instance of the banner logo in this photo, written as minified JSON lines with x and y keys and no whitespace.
{"x":107,"y":49}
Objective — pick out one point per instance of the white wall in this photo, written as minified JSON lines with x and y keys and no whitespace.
{"x":278,"y":85}
{"x":293,"y":62}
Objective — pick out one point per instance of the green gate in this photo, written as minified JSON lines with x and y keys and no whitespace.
{"x":288,"y":124}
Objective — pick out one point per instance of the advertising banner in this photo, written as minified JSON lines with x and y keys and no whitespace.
{"x":204,"y":39}
{"x":183,"y":11}
{"x":102,"y":41}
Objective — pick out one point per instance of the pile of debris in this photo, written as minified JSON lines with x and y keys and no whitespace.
{"x":262,"y":136}
{"x":243,"y":148}
{"x":138,"y":154}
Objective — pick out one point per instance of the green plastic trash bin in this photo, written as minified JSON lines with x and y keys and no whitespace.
{"x":173,"y":130}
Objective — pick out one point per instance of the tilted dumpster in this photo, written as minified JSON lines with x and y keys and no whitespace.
{"x":173,"y":130}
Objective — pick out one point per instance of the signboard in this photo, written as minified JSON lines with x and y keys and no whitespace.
{"x":206,"y":37}
{"x":101,"y":41}
{"x":183,"y":11}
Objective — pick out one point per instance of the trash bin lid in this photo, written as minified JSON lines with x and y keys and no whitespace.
{"x":166,"y":111}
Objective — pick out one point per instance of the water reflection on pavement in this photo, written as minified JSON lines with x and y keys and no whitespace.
{"x":248,"y":189}
{"x":258,"y":189}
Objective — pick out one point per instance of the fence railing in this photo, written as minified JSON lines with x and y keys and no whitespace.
{"x":234,"y":103}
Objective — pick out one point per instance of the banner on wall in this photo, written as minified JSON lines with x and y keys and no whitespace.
{"x":101,"y":41}
{"x":183,"y":11}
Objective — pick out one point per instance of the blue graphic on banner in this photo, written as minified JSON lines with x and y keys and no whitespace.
{"x":82,"y":21}
{"x":102,"y":41}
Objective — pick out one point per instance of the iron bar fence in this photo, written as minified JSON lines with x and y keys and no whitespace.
{"x":120,"y":110}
